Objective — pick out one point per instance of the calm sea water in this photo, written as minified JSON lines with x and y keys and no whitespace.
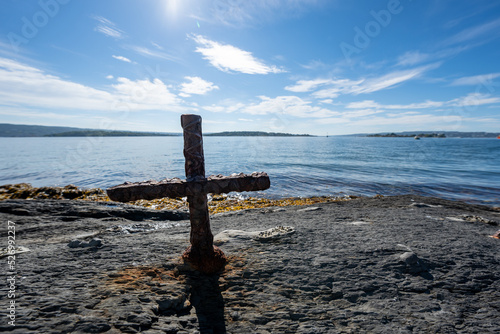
{"x":465,"y":169}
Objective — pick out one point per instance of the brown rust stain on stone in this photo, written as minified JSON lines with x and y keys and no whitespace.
{"x":142,"y":278}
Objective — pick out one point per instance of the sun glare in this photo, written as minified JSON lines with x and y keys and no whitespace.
{"x":173,"y":8}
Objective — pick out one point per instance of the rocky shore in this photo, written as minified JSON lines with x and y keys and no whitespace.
{"x":403,"y":264}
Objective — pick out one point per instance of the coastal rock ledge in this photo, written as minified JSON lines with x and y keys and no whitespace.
{"x":402,"y":264}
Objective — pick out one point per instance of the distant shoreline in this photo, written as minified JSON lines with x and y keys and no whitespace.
{"x":421,"y":135}
{"x":154,"y":134}
{"x":21,"y":130}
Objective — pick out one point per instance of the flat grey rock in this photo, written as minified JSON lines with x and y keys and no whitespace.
{"x":369,"y":265}
{"x":310,"y":208}
{"x":271,"y":234}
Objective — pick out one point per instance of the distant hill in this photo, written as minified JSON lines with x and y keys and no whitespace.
{"x":441,"y":134}
{"x":253,"y":134}
{"x":109,"y":133}
{"x":18,"y":130}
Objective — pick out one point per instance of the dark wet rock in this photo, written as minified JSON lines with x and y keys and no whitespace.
{"x":373,"y":265}
{"x":91,"y":325}
{"x":74,"y":210}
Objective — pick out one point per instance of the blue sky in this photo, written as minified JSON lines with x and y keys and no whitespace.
{"x":298,"y":66}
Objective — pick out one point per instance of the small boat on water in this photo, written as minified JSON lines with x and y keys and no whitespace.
{"x":498,"y":137}
{"x":417,"y":138}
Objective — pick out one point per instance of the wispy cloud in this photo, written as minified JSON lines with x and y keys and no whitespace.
{"x":122,"y":58}
{"x":411,"y":58}
{"x":108,"y":28}
{"x":303,"y":86}
{"x":228,"y":58}
{"x":156,"y":45}
{"x":196,"y":86}
{"x":391,"y":79}
{"x":483,"y":79}
{"x":486,"y":31}
{"x":146,"y":52}
{"x":464,"y":40}
{"x":472,"y":99}
{"x":410,"y":121}
{"x":244,"y":13}
{"x":315,"y":65}
{"x":335,"y":87}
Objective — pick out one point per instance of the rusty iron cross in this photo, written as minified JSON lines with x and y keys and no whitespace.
{"x":202,"y":254}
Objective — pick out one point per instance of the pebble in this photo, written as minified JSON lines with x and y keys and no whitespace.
{"x":94,"y":243}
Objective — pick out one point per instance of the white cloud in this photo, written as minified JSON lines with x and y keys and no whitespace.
{"x":122,"y":58}
{"x":374,"y":105}
{"x":145,"y":94}
{"x":287,"y":105}
{"x":228,"y":58}
{"x":363,"y":104}
{"x":109,"y":77}
{"x":27,"y":113}
{"x":196,"y":86}
{"x":215,"y":108}
{"x":474,"y":99}
{"x":25,"y":86}
{"x":108,"y":28}
{"x":227,"y":106}
{"x":484,"y":79}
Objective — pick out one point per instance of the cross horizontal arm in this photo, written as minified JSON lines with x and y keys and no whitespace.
{"x":215,"y":184}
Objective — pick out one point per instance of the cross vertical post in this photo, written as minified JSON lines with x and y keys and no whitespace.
{"x":202,"y":253}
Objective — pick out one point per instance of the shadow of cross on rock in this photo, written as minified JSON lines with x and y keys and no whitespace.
{"x":202,"y":255}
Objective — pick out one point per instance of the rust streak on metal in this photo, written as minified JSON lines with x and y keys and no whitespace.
{"x":173,"y":188}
